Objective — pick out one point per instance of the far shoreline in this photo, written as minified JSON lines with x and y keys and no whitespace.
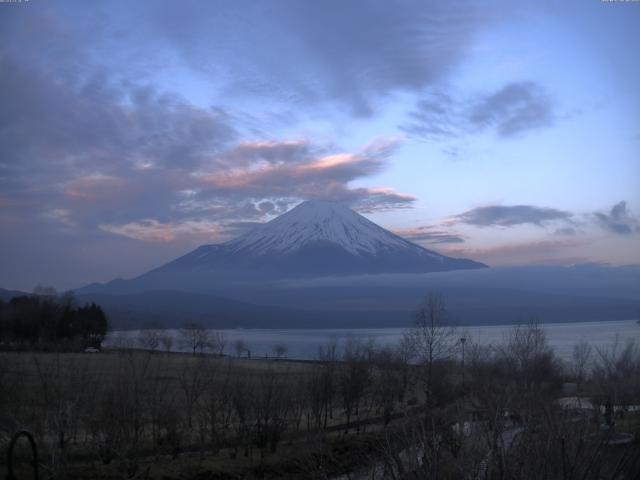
{"x":400,"y":327}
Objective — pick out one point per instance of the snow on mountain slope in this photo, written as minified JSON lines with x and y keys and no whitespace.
{"x":318,"y":238}
{"x":314,"y":239}
{"x":316,"y":221}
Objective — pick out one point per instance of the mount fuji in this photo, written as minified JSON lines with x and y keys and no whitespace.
{"x":322,"y":265}
{"x":315,"y":238}
{"x":319,"y":238}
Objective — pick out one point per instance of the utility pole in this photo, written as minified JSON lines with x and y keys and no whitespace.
{"x":463,"y":340}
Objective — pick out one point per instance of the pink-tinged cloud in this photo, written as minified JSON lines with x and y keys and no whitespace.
{"x":151,"y":230}
{"x":130,"y":153}
{"x":297,"y":170}
{"x":428,"y":234}
{"x":343,"y":167}
{"x":92,"y":188}
{"x":331,"y":162}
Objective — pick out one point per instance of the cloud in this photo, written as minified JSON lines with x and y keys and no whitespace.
{"x":151,"y":230}
{"x":99,"y":120}
{"x":435,"y":116}
{"x":94,"y":187}
{"x":101,"y":150}
{"x":430,"y":234}
{"x":542,"y":252}
{"x":303,"y":172}
{"x":60,"y":216}
{"x":348,"y":54}
{"x":619,"y":220}
{"x":568,"y":231}
{"x":513,"y":109}
{"x":509,"y":216}
{"x":93,"y":138}
{"x":369,"y":200}
{"x":125,"y":158}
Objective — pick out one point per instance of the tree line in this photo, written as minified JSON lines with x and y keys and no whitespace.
{"x":45,"y":320}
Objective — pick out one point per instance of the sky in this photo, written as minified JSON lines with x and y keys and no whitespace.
{"x":132,"y":132}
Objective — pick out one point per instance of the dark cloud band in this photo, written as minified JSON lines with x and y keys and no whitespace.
{"x":509,"y":216}
{"x":618,"y":220}
{"x":512,"y":110}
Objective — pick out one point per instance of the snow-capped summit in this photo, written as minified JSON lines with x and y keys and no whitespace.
{"x":319,"y":221}
{"x":318,"y":238}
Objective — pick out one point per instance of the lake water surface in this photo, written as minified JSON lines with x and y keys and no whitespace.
{"x":304,"y":343}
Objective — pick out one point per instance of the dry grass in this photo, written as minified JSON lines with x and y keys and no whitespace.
{"x":30,"y":381}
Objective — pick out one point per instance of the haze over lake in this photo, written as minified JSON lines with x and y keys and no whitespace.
{"x":304,"y":343}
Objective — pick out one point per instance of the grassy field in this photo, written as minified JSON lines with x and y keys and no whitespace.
{"x":126,"y":414}
{"x":177,"y":415}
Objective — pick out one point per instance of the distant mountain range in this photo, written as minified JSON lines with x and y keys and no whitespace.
{"x":7,"y":295}
{"x":473,"y":297}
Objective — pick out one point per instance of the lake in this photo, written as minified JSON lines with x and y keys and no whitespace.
{"x":304,"y":343}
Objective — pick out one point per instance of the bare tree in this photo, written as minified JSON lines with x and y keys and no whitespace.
{"x":582,"y":353}
{"x":216,"y":409}
{"x":195,"y":337}
{"x":388,"y":382}
{"x":192,"y":381}
{"x":271,"y":403}
{"x":240,"y":347}
{"x":240,"y":397}
{"x":328,"y":355}
{"x":280,"y":350}
{"x":402,"y":354}
{"x":217,"y":342}
{"x":616,"y":372}
{"x":529,"y":356}
{"x":354,"y":378}
{"x":149,"y":339}
{"x":159,"y":400}
{"x":166,"y":339}
{"x":119,"y":418}
{"x":63,"y":386}
{"x":433,"y":337}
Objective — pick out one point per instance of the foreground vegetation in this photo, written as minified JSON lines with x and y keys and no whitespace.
{"x":359,"y":411}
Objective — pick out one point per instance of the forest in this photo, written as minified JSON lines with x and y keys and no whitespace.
{"x":45,"y":320}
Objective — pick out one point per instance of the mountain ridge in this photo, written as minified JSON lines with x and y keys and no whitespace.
{"x":319,"y":238}
{"x":314,"y":239}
